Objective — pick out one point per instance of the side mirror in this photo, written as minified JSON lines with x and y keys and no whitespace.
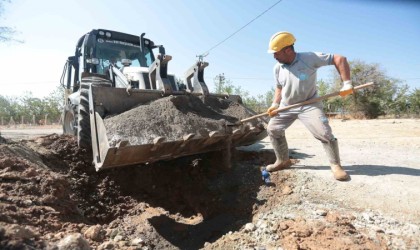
{"x":126,"y":62}
{"x":94,"y":61}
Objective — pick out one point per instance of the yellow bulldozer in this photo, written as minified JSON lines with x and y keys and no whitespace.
{"x":121,"y":102}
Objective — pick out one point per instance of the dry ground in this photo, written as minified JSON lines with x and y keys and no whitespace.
{"x":381,"y":156}
{"x":50,"y":195}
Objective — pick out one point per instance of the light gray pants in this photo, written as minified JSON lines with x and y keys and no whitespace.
{"x":312,"y":116}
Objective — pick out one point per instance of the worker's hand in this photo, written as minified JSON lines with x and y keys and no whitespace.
{"x":273,"y":107}
{"x":347,"y":88}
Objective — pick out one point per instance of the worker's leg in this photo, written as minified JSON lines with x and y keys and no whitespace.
{"x":315,"y":120}
{"x":276,"y":131}
{"x":331,"y":148}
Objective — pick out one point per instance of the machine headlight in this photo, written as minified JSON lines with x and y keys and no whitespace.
{"x":108,"y":34}
{"x":102,"y":33}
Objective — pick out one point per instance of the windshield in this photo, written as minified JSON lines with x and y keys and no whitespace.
{"x":113,"y":51}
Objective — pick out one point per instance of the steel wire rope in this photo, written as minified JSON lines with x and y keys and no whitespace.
{"x":234,"y":33}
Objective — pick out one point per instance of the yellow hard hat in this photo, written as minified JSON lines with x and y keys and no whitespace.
{"x":280,"y":40}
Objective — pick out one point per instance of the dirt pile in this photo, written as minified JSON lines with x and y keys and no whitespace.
{"x":50,"y":189}
{"x":51,"y":197}
{"x":175,"y":116}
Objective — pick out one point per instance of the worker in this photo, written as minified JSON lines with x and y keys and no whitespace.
{"x":295,"y":77}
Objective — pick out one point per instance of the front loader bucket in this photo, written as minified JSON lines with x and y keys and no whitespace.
{"x":143,"y":126}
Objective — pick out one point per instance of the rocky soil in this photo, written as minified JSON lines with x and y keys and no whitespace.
{"x":52,"y":198}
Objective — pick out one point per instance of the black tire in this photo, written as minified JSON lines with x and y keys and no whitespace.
{"x":70,"y":120}
{"x":84,"y":135}
{"x":84,"y":131}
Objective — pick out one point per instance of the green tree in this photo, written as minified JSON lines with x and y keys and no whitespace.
{"x":268,"y":98}
{"x":414,"y":102}
{"x":54,"y":104}
{"x":5,"y":107}
{"x":9,"y":108}
{"x":31,"y":107}
{"x":323,"y":89}
{"x":387,"y":97}
{"x":7,"y":34}
{"x":258,"y":103}
{"x":28,"y":107}
{"x":224,"y":86}
{"x":400,"y":104}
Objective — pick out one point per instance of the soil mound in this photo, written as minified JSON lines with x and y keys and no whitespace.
{"x":173,"y":117}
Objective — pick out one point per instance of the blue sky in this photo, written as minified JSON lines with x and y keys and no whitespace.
{"x":383,"y":32}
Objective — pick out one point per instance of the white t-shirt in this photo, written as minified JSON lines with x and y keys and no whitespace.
{"x":298,"y":79}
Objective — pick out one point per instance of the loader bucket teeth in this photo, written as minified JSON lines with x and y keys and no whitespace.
{"x":188,"y":137}
{"x":157,"y":142}
{"x":214,"y":134}
{"x":122,"y":144}
{"x":236,"y":132}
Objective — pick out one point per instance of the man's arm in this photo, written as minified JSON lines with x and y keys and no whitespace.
{"x":276,"y":101}
{"x":277,"y":95}
{"x":342,"y":66}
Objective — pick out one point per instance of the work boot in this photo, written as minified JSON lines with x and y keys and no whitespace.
{"x":331,"y":148}
{"x":339,"y":173}
{"x":282,"y":154}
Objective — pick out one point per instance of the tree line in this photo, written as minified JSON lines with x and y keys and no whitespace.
{"x":27,"y":109}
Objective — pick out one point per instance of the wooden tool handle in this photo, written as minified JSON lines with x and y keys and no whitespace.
{"x":369,"y":84}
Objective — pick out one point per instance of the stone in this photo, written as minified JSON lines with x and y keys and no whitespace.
{"x":118,"y":238}
{"x":289,"y":216}
{"x":137,"y":241}
{"x":95,"y":233}
{"x":249,"y":227}
{"x":114,"y":232}
{"x":108,"y":245}
{"x":321,"y":212}
{"x":367,"y":217}
{"x":286,"y":190}
{"x":73,"y":242}
{"x":19,"y":232}
{"x":27,"y":202}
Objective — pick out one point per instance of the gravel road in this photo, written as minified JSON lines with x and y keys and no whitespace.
{"x":381,"y":156}
{"x":29,"y":132}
